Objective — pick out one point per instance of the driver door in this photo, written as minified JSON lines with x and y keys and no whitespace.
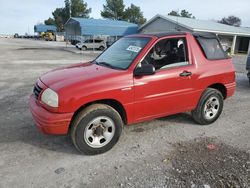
{"x":170,"y":90}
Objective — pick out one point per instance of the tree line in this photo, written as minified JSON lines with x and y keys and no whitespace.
{"x":115,"y":10}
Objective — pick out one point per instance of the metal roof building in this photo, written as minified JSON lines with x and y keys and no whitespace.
{"x":97,"y":27}
{"x":44,"y":28}
{"x":234,"y":39}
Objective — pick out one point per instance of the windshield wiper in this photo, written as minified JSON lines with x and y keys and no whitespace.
{"x":107,"y":65}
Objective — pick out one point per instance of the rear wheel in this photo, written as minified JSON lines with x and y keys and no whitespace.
{"x":102,"y":48}
{"x":209,"y":107}
{"x":84,"y":48}
{"x":96,"y":129}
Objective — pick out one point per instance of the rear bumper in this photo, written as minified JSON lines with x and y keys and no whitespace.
{"x":231,"y":89}
{"x":48,"y":122}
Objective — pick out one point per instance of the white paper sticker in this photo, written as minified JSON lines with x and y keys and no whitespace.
{"x":135,"y":49}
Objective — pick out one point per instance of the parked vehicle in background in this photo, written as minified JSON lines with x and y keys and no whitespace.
{"x":48,"y":36}
{"x":248,"y":66}
{"x":99,"y":44}
{"x":16,"y":35}
{"x":138,"y":78}
{"x":74,"y":41}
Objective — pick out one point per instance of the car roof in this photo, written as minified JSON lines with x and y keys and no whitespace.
{"x":176,"y":33}
{"x":158,"y":35}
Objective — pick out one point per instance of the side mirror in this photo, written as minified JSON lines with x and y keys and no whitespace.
{"x":145,"y":69}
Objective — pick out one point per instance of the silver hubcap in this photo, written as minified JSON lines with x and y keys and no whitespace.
{"x":99,"y":132}
{"x":211,"y":108}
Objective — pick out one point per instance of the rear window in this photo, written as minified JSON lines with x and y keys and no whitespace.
{"x":211,"y":47}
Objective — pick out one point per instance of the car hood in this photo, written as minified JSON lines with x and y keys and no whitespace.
{"x":80,"y":73}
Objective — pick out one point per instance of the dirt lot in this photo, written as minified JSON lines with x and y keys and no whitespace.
{"x":167,"y":152}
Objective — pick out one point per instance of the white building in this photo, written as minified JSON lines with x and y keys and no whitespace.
{"x":236,"y":39}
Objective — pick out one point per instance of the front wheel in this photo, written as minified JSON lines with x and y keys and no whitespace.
{"x":84,"y":48}
{"x":102,"y":48}
{"x":96,"y":129}
{"x":209,"y":107}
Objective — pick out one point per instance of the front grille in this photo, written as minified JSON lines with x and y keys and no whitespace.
{"x":37,"y":90}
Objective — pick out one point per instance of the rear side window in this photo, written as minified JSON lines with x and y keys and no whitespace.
{"x":211,"y":48}
{"x":98,"y":41}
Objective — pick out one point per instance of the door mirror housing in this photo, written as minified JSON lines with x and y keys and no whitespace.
{"x":144,"y":69}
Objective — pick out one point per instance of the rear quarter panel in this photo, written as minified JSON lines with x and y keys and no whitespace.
{"x":212,"y":72}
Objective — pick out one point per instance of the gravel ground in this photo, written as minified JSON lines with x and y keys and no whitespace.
{"x":167,"y":152}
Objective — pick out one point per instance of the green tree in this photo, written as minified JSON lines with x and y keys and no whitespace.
{"x":183,"y":13}
{"x":174,"y":13}
{"x":72,"y":8}
{"x":231,"y":20}
{"x":186,"y":14}
{"x":49,"y":21}
{"x":80,"y":9}
{"x":113,"y":9}
{"x":134,"y":14}
{"x":67,"y":9}
{"x":59,"y":18}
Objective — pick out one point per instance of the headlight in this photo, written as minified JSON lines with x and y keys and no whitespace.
{"x":50,"y":98}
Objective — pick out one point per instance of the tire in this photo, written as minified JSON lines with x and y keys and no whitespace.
{"x":84,"y":48}
{"x":248,"y":76}
{"x":209,"y":107}
{"x":102,"y":48}
{"x":90,"y":126}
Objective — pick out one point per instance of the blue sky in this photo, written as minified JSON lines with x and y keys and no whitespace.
{"x":20,"y":16}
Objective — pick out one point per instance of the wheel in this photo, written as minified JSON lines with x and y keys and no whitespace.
{"x":248,"y":76}
{"x":102,"y":48}
{"x":96,"y":129}
{"x":84,"y":48}
{"x":209,"y":107}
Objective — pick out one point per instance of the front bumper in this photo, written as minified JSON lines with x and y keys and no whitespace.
{"x":48,"y":122}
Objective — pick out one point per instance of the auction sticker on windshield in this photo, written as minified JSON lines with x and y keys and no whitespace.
{"x":135,"y":49}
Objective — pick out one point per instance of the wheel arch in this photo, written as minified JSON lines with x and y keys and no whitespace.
{"x":220,"y":87}
{"x":110,"y":102}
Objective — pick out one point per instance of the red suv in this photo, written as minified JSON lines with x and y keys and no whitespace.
{"x":139,"y":78}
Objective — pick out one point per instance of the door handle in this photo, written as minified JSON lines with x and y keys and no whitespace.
{"x":185,"y":74}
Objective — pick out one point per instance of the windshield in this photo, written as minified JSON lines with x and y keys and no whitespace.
{"x":122,"y":53}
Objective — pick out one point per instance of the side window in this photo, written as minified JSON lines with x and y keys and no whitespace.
{"x":86,"y":41}
{"x":168,"y":53}
{"x":98,"y":41}
{"x":91,"y":41}
{"x":211,"y":48}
